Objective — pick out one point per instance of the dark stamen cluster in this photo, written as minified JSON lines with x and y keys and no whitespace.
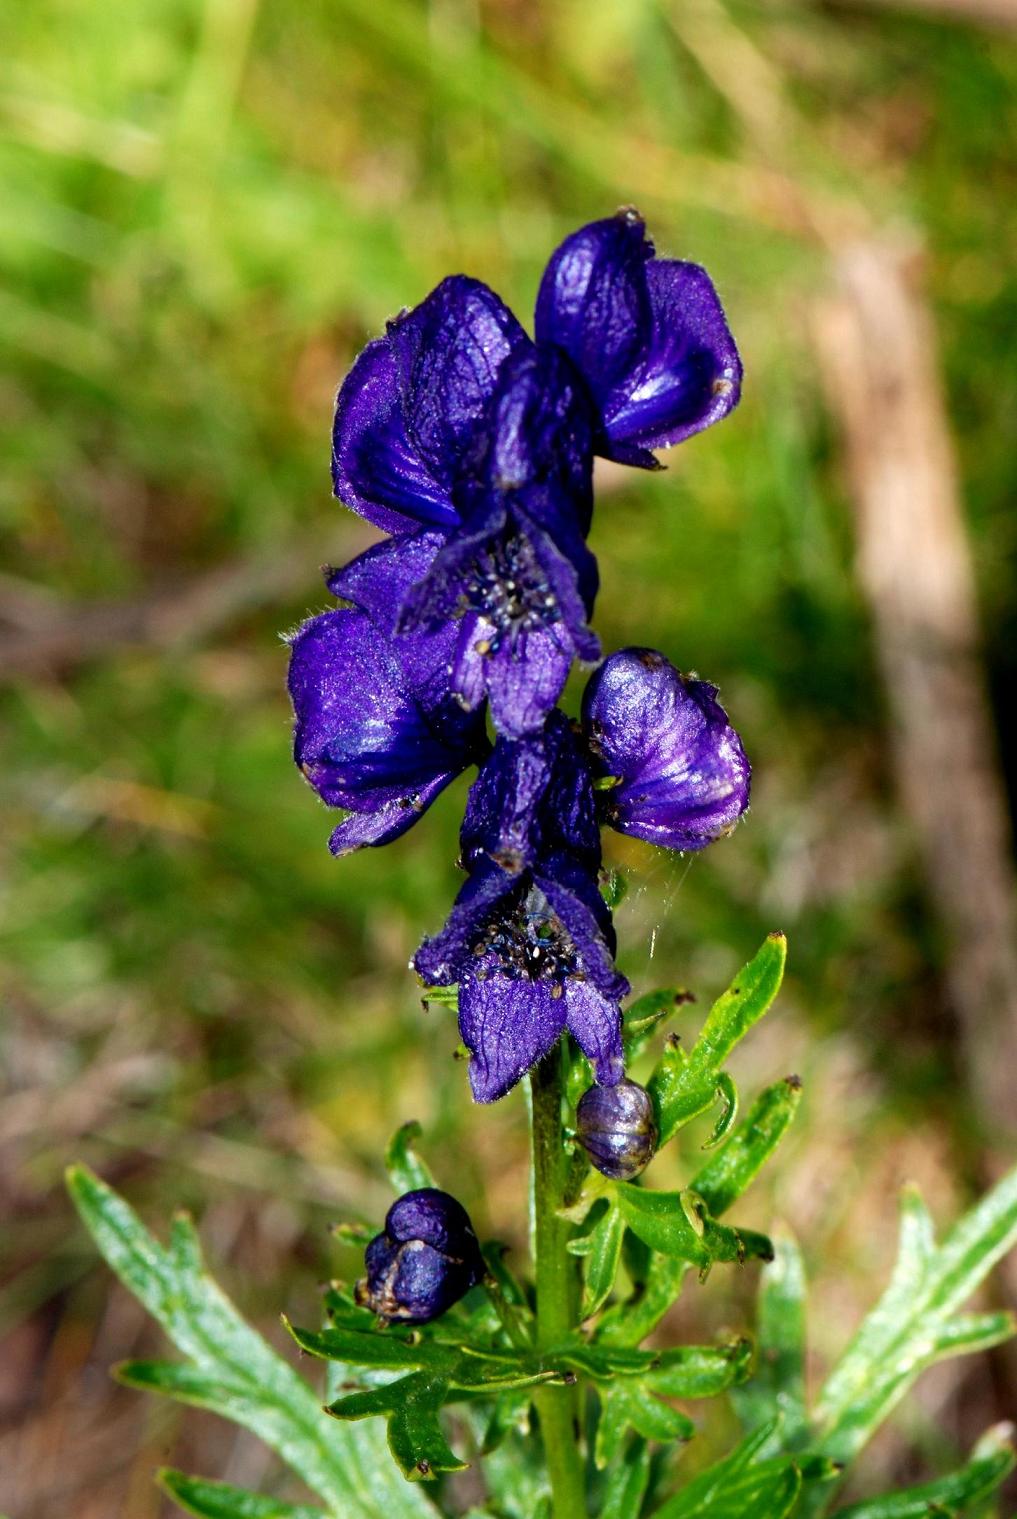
{"x":508,"y":587}
{"x":531,"y":943}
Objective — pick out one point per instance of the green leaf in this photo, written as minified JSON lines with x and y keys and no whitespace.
{"x":914,"y":1323}
{"x":406,"y":1171}
{"x":728,"y":1094}
{"x":719,"y":1183}
{"x":647,"y":1014}
{"x":627,"y":1484}
{"x":231,"y":1368}
{"x":778,"y":1386}
{"x":624,"y":1405}
{"x":601,"y":1252}
{"x":726,"y":1175}
{"x":700,"y":1371}
{"x":991,"y":1463}
{"x":677,"y":1223}
{"x":739,"y":1486}
{"x":396,"y":1349}
{"x":683,"y":1086}
{"x":411,"y":1407}
{"x":218,"y":1500}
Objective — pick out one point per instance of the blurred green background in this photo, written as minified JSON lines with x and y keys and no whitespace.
{"x":208,"y":207}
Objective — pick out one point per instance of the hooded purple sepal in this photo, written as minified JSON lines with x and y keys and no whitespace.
{"x":425,"y":1260}
{"x":681,"y":778}
{"x":377,"y":731}
{"x":411,"y":408}
{"x":515,"y":570}
{"x":533,"y":797}
{"x":648,"y":335}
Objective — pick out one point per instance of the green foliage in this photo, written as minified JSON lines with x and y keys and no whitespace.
{"x":777,"y":1391}
{"x":992,"y":1461}
{"x":738,"y":1486}
{"x":915,"y":1322}
{"x":231,"y":1369}
{"x":219,"y":1500}
{"x":685,"y":1085}
{"x":406,"y":1171}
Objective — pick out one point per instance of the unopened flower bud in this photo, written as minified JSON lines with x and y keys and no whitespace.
{"x":617,"y":1128}
{"x":426,"y":1259}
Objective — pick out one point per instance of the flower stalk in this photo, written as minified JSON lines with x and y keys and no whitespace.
{"x":557,"y":1286}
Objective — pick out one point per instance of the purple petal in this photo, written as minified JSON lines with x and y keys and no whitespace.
{"x":507,"y":1025}
{"x":533,"y":796}
{"x":594,"y":1021}
{"x":408,"y":413}
{"x":573,"y":895}
{"x":683,"y":775}
{"x":648,"y":335}
{"x":523,"y":683}
{"x":442,"y":959}
{"x":691,"y":373}
{"x":388,"y":821}
{"x":363,"y":736}
{"x":593,"y":302}
{"x":377,"y":470}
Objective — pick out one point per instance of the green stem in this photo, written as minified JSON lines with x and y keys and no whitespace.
{"x":556,"y":1288}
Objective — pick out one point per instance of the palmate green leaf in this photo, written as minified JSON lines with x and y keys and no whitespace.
{"x":915,"y":1322}
{"x":778,"y":1385}
{"x":406,"y":1171}
{"x":631,"y":1399}
{"x":218,"y":1500}
{"x":739,"y":1486}
{"x":231,"y":1368}
{"x":678,"y":1224}
{"x":683,"y":1086}
{"x":719,"y":1183}
{"x":991,"y":1463}
{"x":624,"y":1405}
{"x":600,"y":1250}
{"x":411,"y":1407}
{"x":627,"y":1484}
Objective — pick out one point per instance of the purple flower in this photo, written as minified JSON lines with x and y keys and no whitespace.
{"x":681,"y":778}
{"x":529,"y":939}
{"x":377,"y":731}
{"x":648,"y":335}
{"x":425,"y":1260}
{"x":456,"y":422}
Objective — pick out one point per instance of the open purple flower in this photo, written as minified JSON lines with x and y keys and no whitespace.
{"x":681,"y":778}
{"x":377,"y":731}
{"x":529,"y":939}
{"x":648,"y":335}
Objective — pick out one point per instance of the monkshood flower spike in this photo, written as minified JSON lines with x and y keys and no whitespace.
{"x":457,"y":422}
{"x":426,"y":1259}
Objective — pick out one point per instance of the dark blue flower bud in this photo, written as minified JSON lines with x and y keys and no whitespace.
{"x":617,"y":1129}
{"x":426,"y":1259}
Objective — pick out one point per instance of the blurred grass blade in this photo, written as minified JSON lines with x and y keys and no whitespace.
{"x":778,"y":1386}
{"x":683,"y":1086}
{"x":231,"y":1368}
{"x":218,"y":1500}
{"x":406,"y":1171}
{"x":991,"y":1463}
{"x":626,"y":1486}
{"x":739,"y":1486}
{"x":913,"y":1324}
